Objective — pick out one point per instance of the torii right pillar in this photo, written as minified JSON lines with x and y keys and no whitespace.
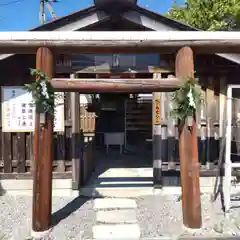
{"x":188,"y":151}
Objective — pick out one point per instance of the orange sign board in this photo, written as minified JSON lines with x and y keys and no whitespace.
{"x":157,"y":111}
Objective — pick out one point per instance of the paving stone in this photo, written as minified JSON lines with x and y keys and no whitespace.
{"x":119,"y":231}
{"x":117,"y":216}
{"x":118,"y":203}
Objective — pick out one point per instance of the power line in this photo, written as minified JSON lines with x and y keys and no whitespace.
{"x":10,"y":3}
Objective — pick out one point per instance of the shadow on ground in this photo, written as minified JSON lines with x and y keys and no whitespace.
{"x":68,"y":209}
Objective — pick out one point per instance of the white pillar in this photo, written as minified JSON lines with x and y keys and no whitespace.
{"x":228,"y":167}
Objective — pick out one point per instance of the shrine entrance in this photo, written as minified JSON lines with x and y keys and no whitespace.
{"x":46,"y":43}
{"x":123,"y":140}
{"x":123,"y":135}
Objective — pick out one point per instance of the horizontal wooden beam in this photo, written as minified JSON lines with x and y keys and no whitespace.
{"x":115,"y":85}
{"x":144,"y":41}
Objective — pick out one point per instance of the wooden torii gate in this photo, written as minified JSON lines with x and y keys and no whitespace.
{"x":46,"y":44}
{"x":41,"y":219}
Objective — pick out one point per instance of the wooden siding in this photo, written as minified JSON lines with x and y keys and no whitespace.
{"x":16,"y":149}
{"x":87,"y":120}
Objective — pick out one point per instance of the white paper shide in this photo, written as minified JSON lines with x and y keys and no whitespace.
{"x":18,"y":110}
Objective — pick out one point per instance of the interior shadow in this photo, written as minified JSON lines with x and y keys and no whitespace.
{"x":171,"y":181}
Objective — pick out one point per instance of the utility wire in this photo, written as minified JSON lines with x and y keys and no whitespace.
{"x":10,"y":3}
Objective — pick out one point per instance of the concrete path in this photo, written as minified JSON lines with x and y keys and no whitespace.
{"x":111,"y":203}
{"x":125,"y":176}
{"x":116,"y":219}
{"x":120,"y":176}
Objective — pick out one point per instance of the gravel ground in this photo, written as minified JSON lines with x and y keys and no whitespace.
{"x":157,"y":216}
{"x":72,"y":218}
{"x":162,"y":216}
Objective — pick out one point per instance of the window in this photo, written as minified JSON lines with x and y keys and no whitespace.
{"x":139,"y":61}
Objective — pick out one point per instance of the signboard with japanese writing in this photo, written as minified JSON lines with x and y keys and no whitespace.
{"x":18,"y":110}
{"x":157,"y":110}
{"x":59,"y":125}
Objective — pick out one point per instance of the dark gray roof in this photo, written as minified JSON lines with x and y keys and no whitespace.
{"x":59,"y":22}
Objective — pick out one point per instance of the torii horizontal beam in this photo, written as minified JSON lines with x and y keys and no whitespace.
{"x":120,"y":42}
{"x":114,"y":85}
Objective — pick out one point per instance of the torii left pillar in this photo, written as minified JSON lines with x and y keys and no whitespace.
{"x":188,"y":151}
{"x":43,"y":156}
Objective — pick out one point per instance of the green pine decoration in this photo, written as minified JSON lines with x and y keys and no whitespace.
{"x":186,"y":100}
{"x":42,"y":92}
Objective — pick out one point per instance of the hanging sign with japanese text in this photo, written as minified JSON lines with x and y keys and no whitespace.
{"x":157,"y":110}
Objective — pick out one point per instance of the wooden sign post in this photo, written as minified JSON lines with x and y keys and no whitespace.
{"x":157,"y":140}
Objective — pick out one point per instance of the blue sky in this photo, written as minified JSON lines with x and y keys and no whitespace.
{"x":18,"y":15}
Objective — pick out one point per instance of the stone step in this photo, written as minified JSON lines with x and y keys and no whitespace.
{"x":127,"y":192}
{"x":116,"y":192}
{"x":127,"y":172}
{"x":117,"y":216}
{"x":115,"y":184}
{"x":111,"y":203}
{"x":119,"y":231}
